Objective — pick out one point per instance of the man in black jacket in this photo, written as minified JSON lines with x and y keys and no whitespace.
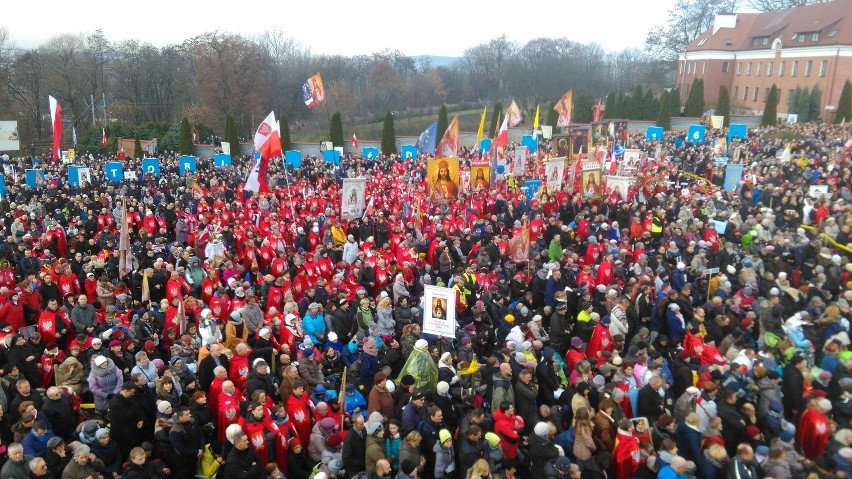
{"x":242,"y":461}
{"x":126,"y":418}
{"x":650,"y":400}
{"x":188,"y":442}
{"x":59,"y":411}
{"x":355,"y":447}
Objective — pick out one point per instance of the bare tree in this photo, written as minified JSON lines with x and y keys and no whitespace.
{"x":773,"y":5}
{"x":687,"y":19}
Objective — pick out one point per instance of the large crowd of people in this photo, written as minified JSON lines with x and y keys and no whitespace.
{"x":685,"y":331}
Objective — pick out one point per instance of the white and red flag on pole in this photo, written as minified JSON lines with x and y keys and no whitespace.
{"x":56,"y":121}
{"x":267,"y":142}
{"x":503,"y":133}
{"x":354,"y":143}
{"x":103,"y":137}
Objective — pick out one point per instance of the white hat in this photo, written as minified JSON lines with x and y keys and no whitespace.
{"x":774,"y":292}
{"x":541,"y":429}
{"x":289,"y":319}
{"x":693,"y":390}
{"x":421,"y":344}
{"x":205,"y":313}
{"x":100,"y":361}
{"x":442,"y":387}
{"x":264,"y":332}
{"x":332,"y":336}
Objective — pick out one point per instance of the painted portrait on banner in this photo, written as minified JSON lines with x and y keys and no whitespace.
{"x":443,"y":177}
{"x":353,"y":199}
{"x":439,"y":316}
{"x":618,"y":185}
{"x":591,"y":183}
{"x":480,"y":178}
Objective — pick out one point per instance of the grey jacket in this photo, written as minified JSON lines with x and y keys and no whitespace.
{"x":445,"y":460}
{"x":83,"y":316}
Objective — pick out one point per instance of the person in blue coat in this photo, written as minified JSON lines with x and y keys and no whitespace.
{"x":35,"y":442}
{"x":679,"y":276}
{"x":689,"y":440}
{"x":675,"y":322}
{"x":675,"y":470}
{"x":314,"y":324}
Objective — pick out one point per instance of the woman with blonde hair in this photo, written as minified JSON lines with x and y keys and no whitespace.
{"x":480,"y":469}
{"x":584,"y":443}
{"x":384,"y":316}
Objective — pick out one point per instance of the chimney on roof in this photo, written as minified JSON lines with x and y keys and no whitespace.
{"x":724,"y":20}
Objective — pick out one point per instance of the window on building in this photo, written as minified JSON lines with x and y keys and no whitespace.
{"x":781,"y":69}
{"x":680,"y":69}
{"x":795,"y":69}
{"x":765,"y":94}
{"x":736,"y":91}
{"x":725,"y":67}
{"x":789,"y":95}
{"x":694,"y":68}
{"x":702,"y":42}
{"x":748,"y":68}
{"x":755,"y":41}
{"x":739,"y":67}
{"x":756,"y":94}
{"x":757,"y":72}
{"x":703,"y":67}
{"x":815,"y":37}
{"x":769,"y":69}
{"x":745,"y":94}
{"x":823,"y":67}
{"x":801,"y":38}
{"x":808,"y":68}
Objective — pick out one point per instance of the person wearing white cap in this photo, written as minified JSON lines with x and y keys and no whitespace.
{"x":542,"y":449}
{"x":104,"y":382}
{"x":207,"y":326}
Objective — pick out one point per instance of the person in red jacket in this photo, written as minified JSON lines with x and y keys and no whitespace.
{"x":13,"y":311}
{"x":507,"y":425}
{"x":626,"y":455}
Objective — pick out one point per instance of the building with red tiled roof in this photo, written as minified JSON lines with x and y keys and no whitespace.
{"x":805,"y":46}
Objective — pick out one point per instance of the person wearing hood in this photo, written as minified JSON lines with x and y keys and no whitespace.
{"x":548,"y":381}
{"x":106,"y":449}
{"x":104,"y":382}
{"x":235,"y":331}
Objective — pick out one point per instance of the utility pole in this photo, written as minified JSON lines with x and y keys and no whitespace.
{"x":93,"y":109}
{"x":105,"y":115}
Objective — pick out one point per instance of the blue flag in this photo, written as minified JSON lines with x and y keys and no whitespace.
{"x":331,"y":156}
{"x":2,"y":187}
{"x":35,"y":178}
{"x":530,"y":142}
{"x":532,"y":186}
{"x":485,"y":145}
{"x":426,"y":143}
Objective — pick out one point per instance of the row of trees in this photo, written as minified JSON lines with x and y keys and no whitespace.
{"x":210,"y":76}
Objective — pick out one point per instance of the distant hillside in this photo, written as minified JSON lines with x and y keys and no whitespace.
{"x":437,"y":61}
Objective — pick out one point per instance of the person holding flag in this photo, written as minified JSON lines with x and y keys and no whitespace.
{"x":267,"y":142}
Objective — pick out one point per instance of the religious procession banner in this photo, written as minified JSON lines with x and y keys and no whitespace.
{"x":442,"y":176}
{"x":554,"y":170}
{"x":439,"y":315}
{"x":352,"y":202}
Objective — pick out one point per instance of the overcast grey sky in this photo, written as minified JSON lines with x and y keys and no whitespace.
{"x":436,"y":27}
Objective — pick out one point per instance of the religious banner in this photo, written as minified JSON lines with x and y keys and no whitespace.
{"x":817,"y":191}
{"x":78,"y":176}
{"x":480,"y":177}
{"x":618,"y":185}
{"x":733,"y":175}
{"x":226,"y":147}
{"x":546,"y":132}
{"x":519,"y":245}
{"x":352,"y":201}
{"x":531,"y":187}
{"x":554,"y":170}
{"x":439,"y":314}
{"x":717,"y":121}
{"x":464,"y":180}
{"x":720,"y":146}
{"x":590,"y":179}
{"x":519,"y":162}
{"x":442,"y":179}
{"x":563,"y":107}
{"x":579,"y":142}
